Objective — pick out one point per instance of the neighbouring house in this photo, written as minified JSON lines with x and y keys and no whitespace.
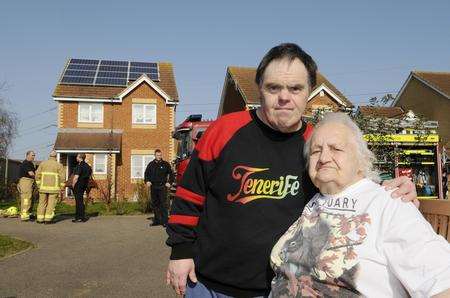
{"x":240,"y":92}
{"x":118,"y":113}
{"x":428,"y":94}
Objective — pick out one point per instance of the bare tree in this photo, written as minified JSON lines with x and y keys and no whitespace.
{"x":8,"y":123}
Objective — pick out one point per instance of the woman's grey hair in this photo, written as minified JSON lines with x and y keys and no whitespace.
{"x":365,"y":156}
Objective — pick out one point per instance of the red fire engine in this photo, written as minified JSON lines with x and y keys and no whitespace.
{"x":187,"y":135}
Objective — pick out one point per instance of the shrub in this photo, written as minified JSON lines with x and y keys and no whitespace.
{"x":142,"y":194}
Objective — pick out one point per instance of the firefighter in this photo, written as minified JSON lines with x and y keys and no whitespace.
{"x":50,"y":180}
{"x":25,"y":185}
{"x":158,"y":177}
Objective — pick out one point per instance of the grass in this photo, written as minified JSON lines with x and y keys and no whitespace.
{"x":127,"y":208}
{"x":10,"y":246}
{"x":97,"y":208}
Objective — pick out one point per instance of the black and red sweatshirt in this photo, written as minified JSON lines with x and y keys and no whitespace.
{"x":244,"y":186}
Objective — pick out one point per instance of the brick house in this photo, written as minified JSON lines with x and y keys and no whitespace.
{"x":240,"y":92}
{"x":428,"y":94}
{"x":118,"y":113}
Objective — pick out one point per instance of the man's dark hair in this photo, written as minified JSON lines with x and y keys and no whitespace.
{"x":82,"y":156}
{"x":290,"y":51}
{"x":158,"y":151}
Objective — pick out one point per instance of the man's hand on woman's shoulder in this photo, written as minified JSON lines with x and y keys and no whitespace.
{"x":406,"y":190}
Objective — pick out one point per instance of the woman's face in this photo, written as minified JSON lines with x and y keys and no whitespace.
{"x":333,"y":158}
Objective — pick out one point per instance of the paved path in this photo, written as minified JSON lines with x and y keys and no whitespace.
{"x":108,"y":256}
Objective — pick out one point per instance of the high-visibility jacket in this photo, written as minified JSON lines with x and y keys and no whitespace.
{"x":50,"y":176}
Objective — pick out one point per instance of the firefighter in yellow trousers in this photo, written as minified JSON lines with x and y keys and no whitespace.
{"x":50,"y":180}
{"x":25,"y":185}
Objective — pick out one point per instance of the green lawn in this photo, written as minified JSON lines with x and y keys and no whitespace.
{"x":9,"y":245}
{"x":128,"y":208}
{"x":98,"y":208}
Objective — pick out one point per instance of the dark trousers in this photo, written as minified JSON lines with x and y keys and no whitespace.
{"x":159,"y":204}
{"x":78,"y":192}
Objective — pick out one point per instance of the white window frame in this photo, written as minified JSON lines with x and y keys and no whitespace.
{"x":95,"y":163}
{"x":144,"y":166}
{"x":80,"y":104}
{"x":144,"y":107}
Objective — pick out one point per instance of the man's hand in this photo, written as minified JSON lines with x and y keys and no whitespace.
{"x":148,"y":184}
{"x":167,"y":184}
{"x":177,"y":273}
{"x":405,"y":189}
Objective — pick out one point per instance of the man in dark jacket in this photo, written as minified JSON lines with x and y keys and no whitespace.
{"x":82,"y":173}
{"x":158,"y":177}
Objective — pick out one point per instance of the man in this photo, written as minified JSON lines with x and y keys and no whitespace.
{"x":82,"y":174}
{"x":245,"y":185}
{"x":158,"y":177}
{"x":49,"y":180}
{"x":25,"y":186}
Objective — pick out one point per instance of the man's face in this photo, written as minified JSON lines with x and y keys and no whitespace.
{"x":79,"y":159}
{"x":31,"y":156}
{"x":158,"y":155}
{"x":332,"y":157}
{"x":285,"y":90}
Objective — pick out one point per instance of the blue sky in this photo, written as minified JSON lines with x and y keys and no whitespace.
{"x":366,"y":48}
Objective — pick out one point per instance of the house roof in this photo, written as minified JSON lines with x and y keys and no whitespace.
{"x":88,"y":139}
{"x":388,"y":112}
{"x":166,"y":83}
{"x":244,"y":78}
{"x":438,"y":80}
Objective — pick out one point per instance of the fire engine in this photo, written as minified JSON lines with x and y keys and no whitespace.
{"x":187,"y":135}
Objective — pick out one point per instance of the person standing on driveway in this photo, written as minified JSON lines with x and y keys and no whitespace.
{"x":50,"y":181}
{"x":158,"y":177}
{"x":82,"y":173}
{"x":25,"y":186}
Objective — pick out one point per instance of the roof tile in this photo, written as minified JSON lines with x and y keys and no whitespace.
{"x":439,"y":80}
{"x":388,"y":112}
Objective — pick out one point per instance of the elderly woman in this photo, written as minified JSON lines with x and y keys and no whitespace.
{"x":352,"y":238}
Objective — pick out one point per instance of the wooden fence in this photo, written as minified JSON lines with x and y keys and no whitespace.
{"x":437,"y":212}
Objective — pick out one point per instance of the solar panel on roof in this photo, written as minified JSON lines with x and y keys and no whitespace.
{"x":111,"y":74}
{"x":80,"y":73}
{"x":82,"y":67}
{"x":144,"y":64}
{"x":107,"y":72}
{"x":113,"y":68}
{"x":144,"y":69}
{"x":110,"y":62}
{"x":84,"y":61}
{"x":111,"y":82}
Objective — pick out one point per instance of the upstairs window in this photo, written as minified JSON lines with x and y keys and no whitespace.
{"x":90,"y":112}
{"x":144,"y":113}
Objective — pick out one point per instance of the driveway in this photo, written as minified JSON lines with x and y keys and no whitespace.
{"x":108,"y":256}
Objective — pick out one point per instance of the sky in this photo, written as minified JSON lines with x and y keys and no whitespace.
{"x":365,"y":48}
